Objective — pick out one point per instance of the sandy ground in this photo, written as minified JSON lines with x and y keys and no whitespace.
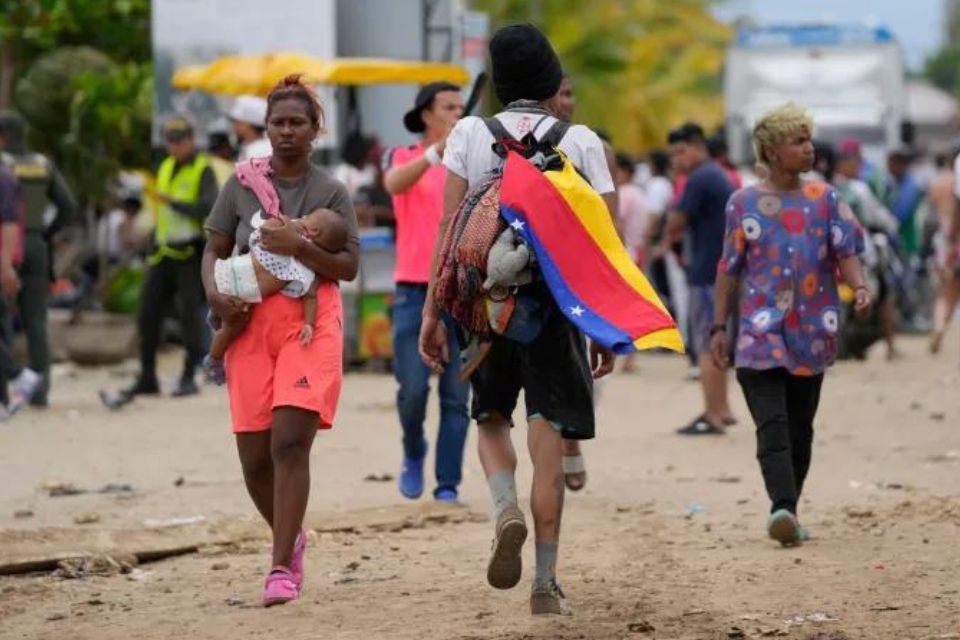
{"x":667,"y":540}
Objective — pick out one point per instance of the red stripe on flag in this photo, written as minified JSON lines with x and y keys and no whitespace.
{"x":582,"y":264}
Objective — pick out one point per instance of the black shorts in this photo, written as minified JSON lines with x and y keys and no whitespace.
{"x":553,"y":371}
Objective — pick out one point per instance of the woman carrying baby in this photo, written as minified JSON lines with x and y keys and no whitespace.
{"x":282,"y":387}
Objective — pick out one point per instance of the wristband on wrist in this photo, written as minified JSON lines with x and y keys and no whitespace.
{"x":432,"y":156}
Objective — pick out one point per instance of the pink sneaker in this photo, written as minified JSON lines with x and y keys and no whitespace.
{"x":280,"y":587}
{"x":296,"y":560}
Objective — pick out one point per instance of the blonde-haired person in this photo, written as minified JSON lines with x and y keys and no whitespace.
{"x":784,"y":239}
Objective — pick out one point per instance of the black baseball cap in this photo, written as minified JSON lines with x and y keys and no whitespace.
{"x":413,"y":120}
{"x":176,"y":129}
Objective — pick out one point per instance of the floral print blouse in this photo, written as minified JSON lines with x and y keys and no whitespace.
{"x":785,"y":249}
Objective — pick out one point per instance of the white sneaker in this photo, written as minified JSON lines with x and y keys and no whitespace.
{"x":693,"y":373}
{"x":22,"y":388}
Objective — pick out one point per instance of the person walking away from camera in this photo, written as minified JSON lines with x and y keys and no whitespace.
{"x":248,"y":119}
{"x":553,"y":371}
{"x":12,"y":208}
{"x":943,"y":194}
{"x":701,"y":211}
{"x":658,"y":190}
{"x":281,"y":392}
{"x":634,"y":218}
{"x":563,"y":105}
{"x":50,"y":206}
{"x":784,"y":241}
{"x":876,"y":219}
{"x":414,"y":176}
{"x":185,"y":191}
{"x":717,"y":148}
{"x":902,"y":195}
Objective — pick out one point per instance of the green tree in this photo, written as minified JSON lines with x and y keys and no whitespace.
{"x":109,"y":126}
{"x":81,"y":73}
{"x":639,"y":67}
{"x":943,"y":68}
{"x":45,"y":93}
{"x":30,"y":28}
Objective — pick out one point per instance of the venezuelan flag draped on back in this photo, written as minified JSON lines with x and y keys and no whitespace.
{"x":588,"y":270}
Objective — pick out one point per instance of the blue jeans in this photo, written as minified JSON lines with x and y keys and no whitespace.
{"x":414,"y":379}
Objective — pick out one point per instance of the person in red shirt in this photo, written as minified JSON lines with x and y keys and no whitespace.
{"x":415,"y":177}
{"x":717,"y":148}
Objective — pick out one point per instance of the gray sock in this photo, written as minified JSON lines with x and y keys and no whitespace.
{"x":546,"y":563}
{"x":503,"y":490}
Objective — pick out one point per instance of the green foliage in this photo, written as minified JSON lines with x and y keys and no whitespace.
{"x":45,"y":94}
{"x":109,"y":127}
{"x":120,"y":28}
{"x":638,"y":67}
{"x":943,"y":68}
{"x":84,"y":83}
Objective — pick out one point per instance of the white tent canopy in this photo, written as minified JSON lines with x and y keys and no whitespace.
{"x":929,"y":105}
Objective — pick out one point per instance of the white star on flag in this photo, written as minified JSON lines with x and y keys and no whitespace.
{"x":517,"y":225}
{"x":577,"y":310}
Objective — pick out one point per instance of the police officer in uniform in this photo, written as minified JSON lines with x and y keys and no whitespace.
{"x":49,"y":206}
{"x":186,"y":190}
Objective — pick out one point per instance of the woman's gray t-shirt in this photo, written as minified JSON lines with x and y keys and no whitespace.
{"x":236,"y":205}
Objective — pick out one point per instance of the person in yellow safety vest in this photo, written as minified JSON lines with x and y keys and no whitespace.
{"x":49,"y":206}
{"x":186,"y":190}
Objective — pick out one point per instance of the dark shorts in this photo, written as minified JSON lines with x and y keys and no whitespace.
{"x":553,"y":371}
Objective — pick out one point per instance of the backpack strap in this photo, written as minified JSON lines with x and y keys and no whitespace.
{"x":497,"y":130}
{"x":555,"y":134}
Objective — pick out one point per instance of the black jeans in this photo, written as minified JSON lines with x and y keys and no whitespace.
{"x":783,"y":407}
{"x":168,"y":282}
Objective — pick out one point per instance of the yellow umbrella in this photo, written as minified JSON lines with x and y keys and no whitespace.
{"x":256,"y":75}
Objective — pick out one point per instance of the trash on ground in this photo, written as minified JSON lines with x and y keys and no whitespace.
{"x":59,"y":489}
{"x":155,"y":523}
{"x":116,"y":488}
{"x":640,"y":627}
{"x":818,"y":616}
{"x":96,"y":565}
{"x":86,"y":518}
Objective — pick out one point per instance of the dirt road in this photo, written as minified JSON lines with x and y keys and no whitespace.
{"x":666,"y":542}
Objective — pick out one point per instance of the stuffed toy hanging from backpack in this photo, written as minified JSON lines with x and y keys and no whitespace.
{"x":585,"y":265}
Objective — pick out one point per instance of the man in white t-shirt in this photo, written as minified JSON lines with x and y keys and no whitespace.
{"x":553,"y":371}
{"x":249,"y":119}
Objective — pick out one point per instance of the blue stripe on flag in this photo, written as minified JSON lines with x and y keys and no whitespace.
{"x":598,"y":328}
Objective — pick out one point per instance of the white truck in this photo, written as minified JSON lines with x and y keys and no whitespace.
{"x":850,"y":78}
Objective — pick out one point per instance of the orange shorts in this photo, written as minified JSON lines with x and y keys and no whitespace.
{"x":268,"y":368}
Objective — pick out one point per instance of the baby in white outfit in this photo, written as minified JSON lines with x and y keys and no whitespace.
{"x":255,"y":275}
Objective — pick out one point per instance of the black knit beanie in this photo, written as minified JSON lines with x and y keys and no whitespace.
{"x":525,"y":66}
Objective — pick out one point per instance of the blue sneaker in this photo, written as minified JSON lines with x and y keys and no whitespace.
{"x":411,"y":478}
{"x":445,"y":494}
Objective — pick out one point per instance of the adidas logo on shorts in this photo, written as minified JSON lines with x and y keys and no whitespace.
{"x":301,"y":383}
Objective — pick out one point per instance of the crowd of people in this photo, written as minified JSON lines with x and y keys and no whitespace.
{"x":760,"y":269}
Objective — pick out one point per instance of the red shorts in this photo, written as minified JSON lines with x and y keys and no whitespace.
{"x":268,"y":368}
